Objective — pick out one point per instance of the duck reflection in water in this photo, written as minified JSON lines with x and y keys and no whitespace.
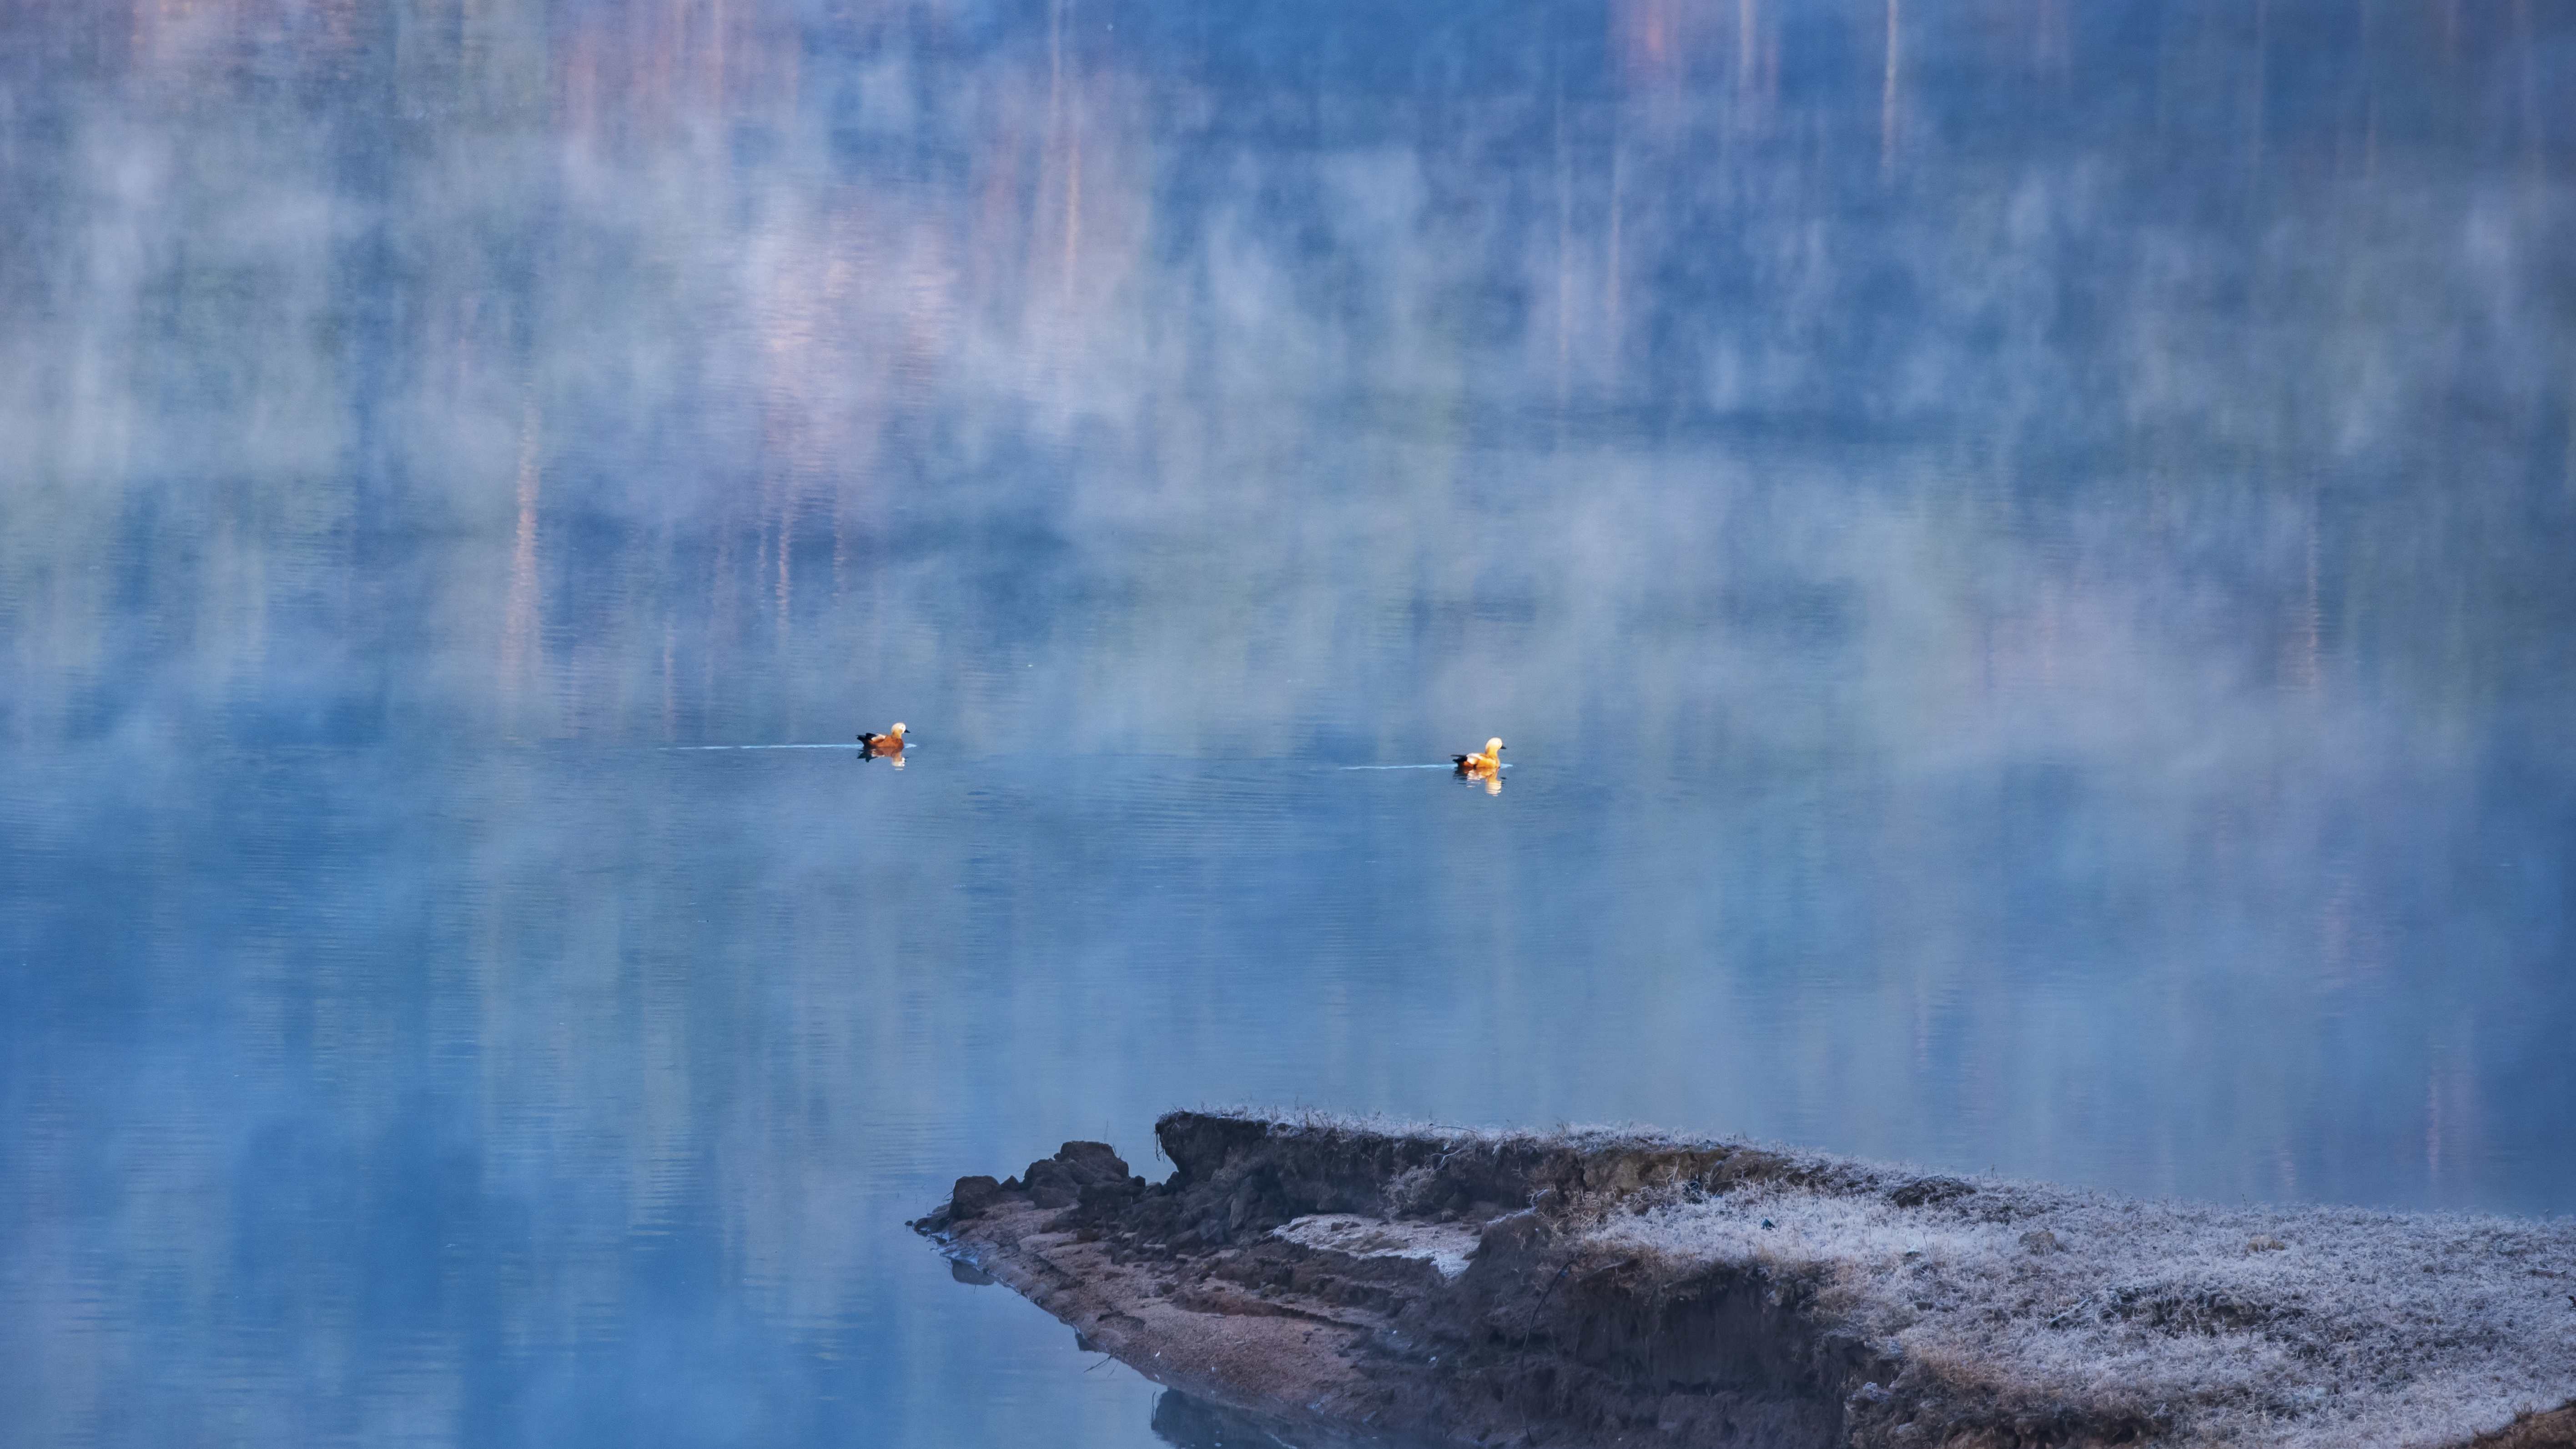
{"x":887,"y":747}
{"x":1485,"y":765}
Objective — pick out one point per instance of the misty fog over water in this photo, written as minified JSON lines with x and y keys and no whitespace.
{"x":2025,"y":554}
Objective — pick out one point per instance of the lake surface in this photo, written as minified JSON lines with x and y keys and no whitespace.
{"x":2025,"y":555}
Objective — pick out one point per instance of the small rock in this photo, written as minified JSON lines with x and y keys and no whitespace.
{"x":1058,"y":1181}
{"x":2041,"y":1240}
{"x":1108,"y":1196}
{"x":970,"y":1197}
{"x":1093,"y":1162}
{"x":968,"y":1273}
{"x":1766,"y":1222}
{"x":1047,"y":1192}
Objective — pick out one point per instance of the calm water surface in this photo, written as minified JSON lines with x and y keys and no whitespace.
{"x":2023,"y":554}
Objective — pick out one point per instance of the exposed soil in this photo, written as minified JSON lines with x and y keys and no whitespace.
{"x":1352,"y":1284}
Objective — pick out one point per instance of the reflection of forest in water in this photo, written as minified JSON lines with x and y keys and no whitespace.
{"x":2035,"y":553}
{"x":678,"y":335}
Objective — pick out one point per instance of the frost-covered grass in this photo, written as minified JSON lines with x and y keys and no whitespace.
{"x":2249,"y":1325}
{"x":2273,"y":1326}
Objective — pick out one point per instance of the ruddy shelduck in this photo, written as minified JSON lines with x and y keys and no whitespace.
{"x":1490,"y":762}
{"x":887,"y":746}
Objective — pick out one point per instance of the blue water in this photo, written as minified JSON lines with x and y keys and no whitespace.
{"x":2021,"y":553}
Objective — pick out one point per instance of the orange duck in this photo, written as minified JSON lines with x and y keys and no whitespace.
{"x":1479,"y":766}
{"x":887,"y":746}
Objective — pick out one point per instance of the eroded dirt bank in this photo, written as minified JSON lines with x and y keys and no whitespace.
{"x":1348,"y":1280}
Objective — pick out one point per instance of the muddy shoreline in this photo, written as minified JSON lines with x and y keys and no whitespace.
{"x":1353,"y":1283}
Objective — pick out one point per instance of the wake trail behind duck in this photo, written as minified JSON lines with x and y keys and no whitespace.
{"x":688,"y":749}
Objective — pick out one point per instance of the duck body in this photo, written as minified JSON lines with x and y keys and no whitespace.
{"x":1488,"y":761}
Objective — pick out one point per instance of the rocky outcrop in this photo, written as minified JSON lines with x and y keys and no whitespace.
{"x":1348,"y":1283}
